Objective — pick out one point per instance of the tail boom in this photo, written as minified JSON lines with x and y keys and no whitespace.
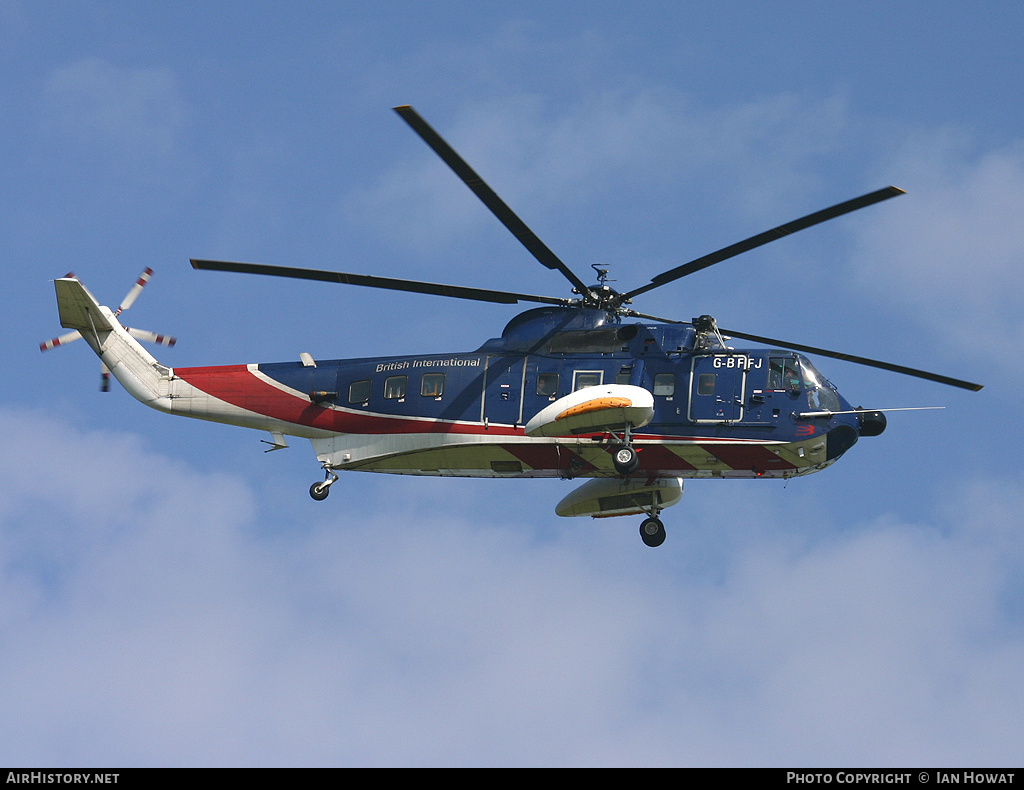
{"x":152,"y":383}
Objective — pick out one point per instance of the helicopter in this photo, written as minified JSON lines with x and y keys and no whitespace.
{"x":583,"y":386}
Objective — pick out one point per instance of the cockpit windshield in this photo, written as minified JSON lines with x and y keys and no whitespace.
{"x":821,"y":395}
{"x":811,"y":377}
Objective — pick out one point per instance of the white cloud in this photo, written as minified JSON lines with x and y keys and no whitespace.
{"x":951,"y":253}
{"x":869,"y":647}
{"x":150,"y":617}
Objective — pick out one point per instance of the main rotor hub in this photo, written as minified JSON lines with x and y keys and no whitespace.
{"x":603,"y":297}
{"x":705,"y":323}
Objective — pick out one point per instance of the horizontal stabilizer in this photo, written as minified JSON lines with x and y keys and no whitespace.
{"x":79,"y":309}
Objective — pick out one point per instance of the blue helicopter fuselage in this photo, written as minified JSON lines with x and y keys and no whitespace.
{"x":718,"y":411}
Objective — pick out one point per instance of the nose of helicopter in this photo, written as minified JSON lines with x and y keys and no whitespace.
{"x":839,"y":440}
{"x":872,"y":423}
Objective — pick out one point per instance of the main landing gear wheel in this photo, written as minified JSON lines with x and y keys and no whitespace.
{"x":652,"y":531}
{"x":625,"y":460}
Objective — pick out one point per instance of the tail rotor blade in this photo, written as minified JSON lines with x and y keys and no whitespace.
{"x":151,"y":337}
{"x":136,"y":289}
{"x":60,"y":341}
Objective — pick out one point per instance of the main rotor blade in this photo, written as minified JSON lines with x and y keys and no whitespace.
{"x":498,"y":207}
{"x":967,"y":385}
{"x":769,"y":235}
{"x":390,"y":283}
{"x":769,"y":341}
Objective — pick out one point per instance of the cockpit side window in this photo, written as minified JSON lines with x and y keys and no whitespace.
{"x":783,"y":373}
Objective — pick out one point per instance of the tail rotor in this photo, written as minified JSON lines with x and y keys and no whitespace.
{"x":63,"y":340}
{"x":139,"y":334}
{"x":151,"y":337}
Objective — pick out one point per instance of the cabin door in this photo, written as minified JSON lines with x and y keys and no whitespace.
{"x":503,"y":391}
{"x":717,"y":384}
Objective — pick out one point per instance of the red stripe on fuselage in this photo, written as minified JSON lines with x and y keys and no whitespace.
{"x":747,"y":456}
{"x":236,"y":384}
{"x":549,"y":456}
{"x":660,"y":458}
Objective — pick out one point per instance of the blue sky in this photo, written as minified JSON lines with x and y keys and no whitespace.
{"x":170,"y":595}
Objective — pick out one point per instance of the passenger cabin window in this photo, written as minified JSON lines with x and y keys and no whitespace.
{"x":395,"y":387}
{"x":547,"y":384}
{"x":359,"y":391}
{"x":586,"y":378}
{"x":665,"y":384}
{"x":706,"y":384}
{"x":432,"y":385}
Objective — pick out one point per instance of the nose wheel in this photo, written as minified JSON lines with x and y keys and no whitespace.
{"x":652,"y":531}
